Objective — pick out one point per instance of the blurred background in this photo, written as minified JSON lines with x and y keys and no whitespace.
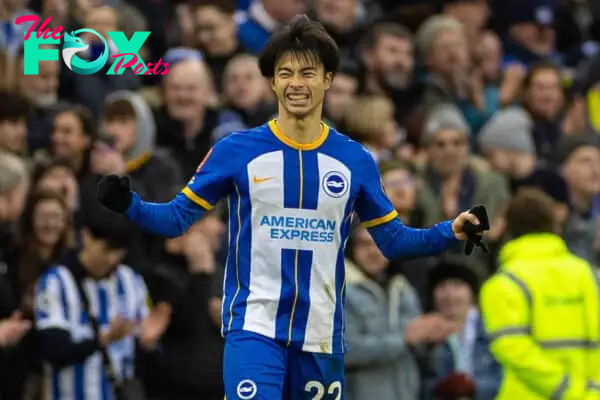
{"x":461,"y":102}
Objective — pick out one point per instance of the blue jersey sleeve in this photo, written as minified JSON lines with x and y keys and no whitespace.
{"x":393,"y":238}
{"x":212,"y":181}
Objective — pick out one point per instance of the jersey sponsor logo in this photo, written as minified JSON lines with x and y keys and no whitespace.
{"x":246,"y":389}
{"x":304,"y":229}
{"x":256,"y":179}
{"x":335,"y":184}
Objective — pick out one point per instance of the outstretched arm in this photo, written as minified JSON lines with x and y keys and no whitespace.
{"x":170,"y":219}
{"x":211,"y":182}
{"x":393,"y":238}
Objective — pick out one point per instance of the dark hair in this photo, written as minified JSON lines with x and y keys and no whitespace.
{"x":537,"y":67}
{"x":225,"y":6}
{"x":371,"y":38}
{"x":121,"y":109}
{"x":13,"y":107}
{"x":530,"y":211}
{"x":303,"y":38}
{"x":42,"y":167}
{"x":31,"y":263}
{"x":105,"y":225}
{"x":83,"y":114}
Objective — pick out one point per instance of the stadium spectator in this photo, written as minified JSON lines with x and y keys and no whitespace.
{"x":464,"y":366}
{"x":388,"y":57}
{"x":453,"y":78}
{"x":345,"y":21}
{"x":531,"y":36}
{"x":247,"y":99}
{"x":507,"y":142}
{"x":190,"y":279}
{"x":263,"y":17}
{"x":46,"y":235}
{"x":215,"y":33}
{"x":186,"y":119}
{"x":14,"y":185}
{"x":472,"y":13}
{"x":41,"y":91}
{"x":58,"y":176}
{"x":451,"y":181}
{"x":90,"y":303}
{"x":341,"y":94}
{"x":385,"y":327}
{"x":74,"y":131}
{"x":14,"y":111}
{"x":544,"y":99}
{"x":579,"y":159}
{"x":127,"y":121}
{"x":370,"y":120}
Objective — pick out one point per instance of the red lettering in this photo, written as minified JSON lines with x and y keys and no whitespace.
{"x":149,"y":70}
{"x":56,"y":33}
{"x":156,"y":70}
{"x":166,"y":65}
{"x":28,"y":18}
{"x":121,"y":57}
{"x":42,"y":30}
{"x":138,"y":68}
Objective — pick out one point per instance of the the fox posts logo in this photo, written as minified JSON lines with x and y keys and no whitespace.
{"x":127,"y":56}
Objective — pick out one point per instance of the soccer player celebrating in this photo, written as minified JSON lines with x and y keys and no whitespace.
{"x":293,"y":185}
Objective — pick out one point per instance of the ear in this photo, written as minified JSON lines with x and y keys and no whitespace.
{"x":328,"y":78}
{"x":273,"y":85}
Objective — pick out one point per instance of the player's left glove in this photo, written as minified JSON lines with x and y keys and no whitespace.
{"x":474,"y":232}
{"x":114,"y":193}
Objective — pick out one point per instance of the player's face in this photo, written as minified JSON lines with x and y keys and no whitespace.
{"x":300,"y":83}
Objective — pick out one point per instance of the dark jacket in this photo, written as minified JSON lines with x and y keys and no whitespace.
{"x":193,"y":346}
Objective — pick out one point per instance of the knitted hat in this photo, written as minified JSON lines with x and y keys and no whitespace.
{"x":442,"y":117}
{"x":508,"y":129}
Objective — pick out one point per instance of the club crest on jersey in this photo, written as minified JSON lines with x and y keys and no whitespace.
{"x":246,"y":389}
{"x":335,"y":184}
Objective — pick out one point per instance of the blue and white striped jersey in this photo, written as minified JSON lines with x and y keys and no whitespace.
{"x":58,"y":305}
{"x":290,"y":213}
{"x":291,"y":207}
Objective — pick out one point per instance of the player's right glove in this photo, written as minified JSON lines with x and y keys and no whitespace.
{"x":474,"y":231}
{"x":114,"y":193}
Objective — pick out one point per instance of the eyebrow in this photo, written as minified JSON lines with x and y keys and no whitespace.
{"x":305,"y":69}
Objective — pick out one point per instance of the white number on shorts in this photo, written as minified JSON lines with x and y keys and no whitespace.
{"x":319,"y":389}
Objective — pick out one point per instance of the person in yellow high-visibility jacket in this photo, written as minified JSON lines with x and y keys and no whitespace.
{"x":541,"y":310}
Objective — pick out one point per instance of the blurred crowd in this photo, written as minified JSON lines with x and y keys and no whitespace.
{"x":461,"y":102}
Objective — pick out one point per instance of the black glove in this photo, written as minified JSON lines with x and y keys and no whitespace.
{"x":114,"y":193}
{"x":473,"y":231}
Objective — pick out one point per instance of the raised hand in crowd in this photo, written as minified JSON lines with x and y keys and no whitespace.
{"x":105,"y":160}
{"x":13,"y":329}
{"x":119,"y":329}
{"x":429,"y":328}
{"x":155,"y":325}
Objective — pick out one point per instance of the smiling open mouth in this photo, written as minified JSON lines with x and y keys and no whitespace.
{"x":296,"y":97}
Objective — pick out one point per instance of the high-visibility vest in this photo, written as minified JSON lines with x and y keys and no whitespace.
{"x":541,"y":312}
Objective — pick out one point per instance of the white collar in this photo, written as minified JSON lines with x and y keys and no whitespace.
{"x":259,"y":14}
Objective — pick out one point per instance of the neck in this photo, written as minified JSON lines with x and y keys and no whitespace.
{"x":524,"y":166}
{"x":305,"y":130}
{"x":192,"y":127}
{"x":44,"y":251}
{"x":581,"y":201}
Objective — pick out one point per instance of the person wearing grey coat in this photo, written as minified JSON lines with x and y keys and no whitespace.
{"x":384,"y":328}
